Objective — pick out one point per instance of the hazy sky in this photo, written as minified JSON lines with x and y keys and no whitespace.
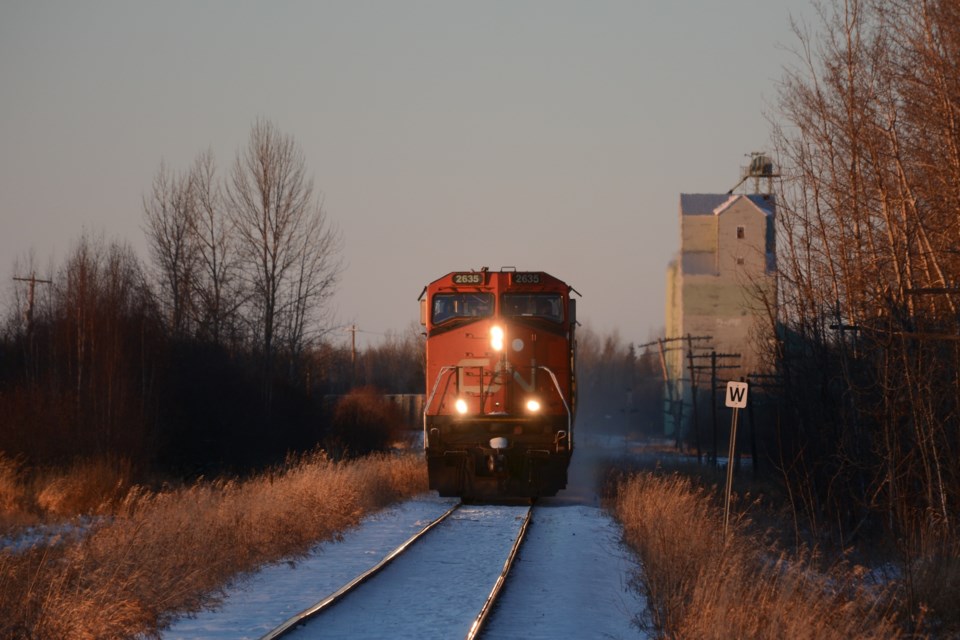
{"x":443,"y":135}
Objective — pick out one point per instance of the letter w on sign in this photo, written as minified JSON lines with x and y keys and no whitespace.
{"x":737,"y":394}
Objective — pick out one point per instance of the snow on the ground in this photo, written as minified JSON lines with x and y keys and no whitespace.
{"x":435,"y":589}
{"x":43,"y":535}
{"x":277,"y":592}
{"x":569,"y":580}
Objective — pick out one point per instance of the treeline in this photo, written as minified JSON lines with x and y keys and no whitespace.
{"x":215,"y":354}
{"x":620,"y":391}
{"x":96,"y":370}
{"x":868,"y":352}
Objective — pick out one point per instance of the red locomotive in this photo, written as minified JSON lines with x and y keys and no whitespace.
{"x":501,"y":391}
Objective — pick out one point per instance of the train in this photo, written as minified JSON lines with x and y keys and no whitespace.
{"x":501,"y":393}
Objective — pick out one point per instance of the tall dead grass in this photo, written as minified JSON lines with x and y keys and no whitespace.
{"x":10,"y":493}
{"x":930,"y":563}
{"x":163,"y":553}
{"x":699,"y":586}
{"x":41,"y":496}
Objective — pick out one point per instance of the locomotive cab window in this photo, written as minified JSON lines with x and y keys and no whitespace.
{"x":535,"y":305}
{"x":449,"y":306}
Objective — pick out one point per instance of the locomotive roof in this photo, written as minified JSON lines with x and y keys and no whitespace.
{"x":549,"y":280}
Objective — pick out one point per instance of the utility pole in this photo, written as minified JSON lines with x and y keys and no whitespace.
{"x":676,"y":404}
{"x":849,"y":400}
{"x":949,"y":291}
{"x":841,"y":327}
{"x":713,"y":386}
{"x":32,"y":280}
{"x":668,"y":388}
{"x":713,"y":367}
{"x":713,"y":405}
{"x":30,"y":347}
{"x":757,"y":382}
{"x":353,"y":353}
{"x":693,"y":397}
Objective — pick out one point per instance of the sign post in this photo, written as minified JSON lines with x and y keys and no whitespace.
{"x":736,"y":399}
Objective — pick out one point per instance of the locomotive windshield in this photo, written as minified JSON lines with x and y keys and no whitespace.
{"x":548,"y":306}
{"x":448,"y":306}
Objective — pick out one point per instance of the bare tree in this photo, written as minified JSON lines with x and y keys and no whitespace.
{"x":169,"y":214}
{"x":215,"y":283}
{"x":102,"y":329}
{"x":871,"y":149}
{"x":289,"y":251}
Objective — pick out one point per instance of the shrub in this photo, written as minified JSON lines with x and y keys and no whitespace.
{"x":363,"y":422}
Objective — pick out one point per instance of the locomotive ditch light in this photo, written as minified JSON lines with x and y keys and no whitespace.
{"x":496,"y":338}
{"x":533,"y":405}
{"x":461,"y":406}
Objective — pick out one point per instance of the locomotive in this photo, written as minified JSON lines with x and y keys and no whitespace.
{"x":501,"y":389}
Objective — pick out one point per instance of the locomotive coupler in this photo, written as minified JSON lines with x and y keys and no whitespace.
{"x":495,"y":460}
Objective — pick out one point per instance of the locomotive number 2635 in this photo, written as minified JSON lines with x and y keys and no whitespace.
{"x":468,"y":278}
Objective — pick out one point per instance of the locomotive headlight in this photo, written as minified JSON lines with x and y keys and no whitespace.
{"x":496,"y":338}
{"x":533,"y":405}
{"x":461,"y":406}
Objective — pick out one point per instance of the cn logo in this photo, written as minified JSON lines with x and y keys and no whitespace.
{"x":470,"y":373}
{"x":737,"y":394}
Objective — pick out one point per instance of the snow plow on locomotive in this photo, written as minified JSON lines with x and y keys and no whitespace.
{"x":501,"y":389}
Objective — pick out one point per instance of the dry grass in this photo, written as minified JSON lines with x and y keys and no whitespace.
{"x":10,"y":491}
{"x":87,"y":486}
{"x":160,"y":553}
{"x":931,"y":579}
{"x":37,"y":496}
{"x":699,"y":586}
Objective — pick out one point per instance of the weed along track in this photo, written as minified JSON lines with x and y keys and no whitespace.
{"x":443,"y":582}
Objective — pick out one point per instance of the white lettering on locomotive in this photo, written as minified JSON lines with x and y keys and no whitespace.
{"x":526,"y":386}
{"x":475,"y":369}
{"x":526,"y":278}
{"x":468,"y":278}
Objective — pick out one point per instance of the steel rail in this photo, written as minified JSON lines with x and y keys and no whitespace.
{"x":487,"y":608}
{"x":318,"y":608}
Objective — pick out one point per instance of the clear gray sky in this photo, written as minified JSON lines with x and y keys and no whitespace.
{"x":444,"y":135}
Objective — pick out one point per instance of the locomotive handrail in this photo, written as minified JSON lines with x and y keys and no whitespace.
{"x":426,"y":406}
{"x":556,"y":384}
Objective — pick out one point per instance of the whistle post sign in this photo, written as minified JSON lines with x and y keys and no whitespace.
{"x":736,"y":399}
{"x":737,"y":394}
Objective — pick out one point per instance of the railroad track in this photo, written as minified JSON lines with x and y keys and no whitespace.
{"x":477,"y":532}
